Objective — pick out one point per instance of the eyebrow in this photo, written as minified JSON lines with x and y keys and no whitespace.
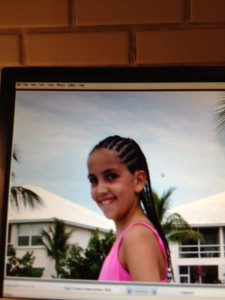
{"x":110,"y":170}
{"x":104,"y":172}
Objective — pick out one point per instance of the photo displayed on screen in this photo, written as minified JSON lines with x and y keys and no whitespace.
{"x":56,"y":231}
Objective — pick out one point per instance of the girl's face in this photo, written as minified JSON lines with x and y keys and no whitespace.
{"x":113,"y":187}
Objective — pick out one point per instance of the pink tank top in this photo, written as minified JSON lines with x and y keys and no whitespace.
{"x":112,"y":270}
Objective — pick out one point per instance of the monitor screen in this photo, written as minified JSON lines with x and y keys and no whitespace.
{"x":51,"y":118}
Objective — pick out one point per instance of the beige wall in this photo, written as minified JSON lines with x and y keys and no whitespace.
{"x":112,"y":32}
{"x":79,"y":236}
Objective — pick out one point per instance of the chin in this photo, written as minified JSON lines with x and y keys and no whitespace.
{"x":109,"y":216}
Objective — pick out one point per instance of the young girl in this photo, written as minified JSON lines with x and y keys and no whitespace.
{"x":120,"y":185}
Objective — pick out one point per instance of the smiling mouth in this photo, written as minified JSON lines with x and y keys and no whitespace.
{"x":106,"y":201}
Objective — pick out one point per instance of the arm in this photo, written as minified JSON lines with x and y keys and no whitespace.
{"x":141,"y":256}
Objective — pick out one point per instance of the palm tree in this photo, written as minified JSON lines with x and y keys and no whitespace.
{"x":21,"y":196}
{"x":220,"y":119}
{"x":55,"y":240}
{"x":175,"y":227}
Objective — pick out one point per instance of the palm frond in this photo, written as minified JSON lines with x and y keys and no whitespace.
{"x":178,"y":236}
{"x":175,"y":220}
{"x":220,"y":119}
{"x":15,"y":158}
{"x":47,"y":240}
{"x":55,"y":239}
{"x":163,"y":203}
{"x":15,"y":154}
{"x":21,"y":197}
{"x":177,"y":229}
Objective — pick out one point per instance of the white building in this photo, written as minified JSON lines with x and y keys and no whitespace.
{"x":26,"y":224}
{"x":192,"y":262}
{"x":202,"y":262}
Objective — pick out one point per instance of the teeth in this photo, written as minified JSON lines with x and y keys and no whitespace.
{"x":105,"y":202}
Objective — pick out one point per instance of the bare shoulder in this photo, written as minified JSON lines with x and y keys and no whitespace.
{"x":141,"y":256}
{"x":140,"y":233}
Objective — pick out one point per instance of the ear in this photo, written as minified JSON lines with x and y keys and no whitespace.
{"x":139,"y":181}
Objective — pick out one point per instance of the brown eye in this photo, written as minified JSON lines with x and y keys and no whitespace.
{"x":93,"y":180}
{"x":111,"y":176}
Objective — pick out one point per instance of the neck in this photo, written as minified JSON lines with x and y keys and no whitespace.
{"x":137,"y":216}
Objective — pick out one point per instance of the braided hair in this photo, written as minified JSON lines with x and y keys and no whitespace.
{"x":131,"y":155}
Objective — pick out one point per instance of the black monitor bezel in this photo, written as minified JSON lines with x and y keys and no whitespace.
{"x":11,"y":75}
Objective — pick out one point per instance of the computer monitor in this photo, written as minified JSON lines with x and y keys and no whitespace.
{"x":50,"y":120}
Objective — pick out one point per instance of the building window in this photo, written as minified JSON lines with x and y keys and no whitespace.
{"x":209,"y":248}
{"x":184,"y":274}
{"x":29,"y":234}
{"x":198,"y":274}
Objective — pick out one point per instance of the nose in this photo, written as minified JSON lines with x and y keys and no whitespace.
{"x":102,"y":188}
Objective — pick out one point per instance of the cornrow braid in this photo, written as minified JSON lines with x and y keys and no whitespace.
{"x":134,"y":159}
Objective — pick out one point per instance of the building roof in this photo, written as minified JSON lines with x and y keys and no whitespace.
{"x":54,"y":206}
{"x":204,"y":212}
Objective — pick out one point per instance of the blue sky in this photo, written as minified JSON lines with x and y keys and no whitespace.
{"x":54,"y":132}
